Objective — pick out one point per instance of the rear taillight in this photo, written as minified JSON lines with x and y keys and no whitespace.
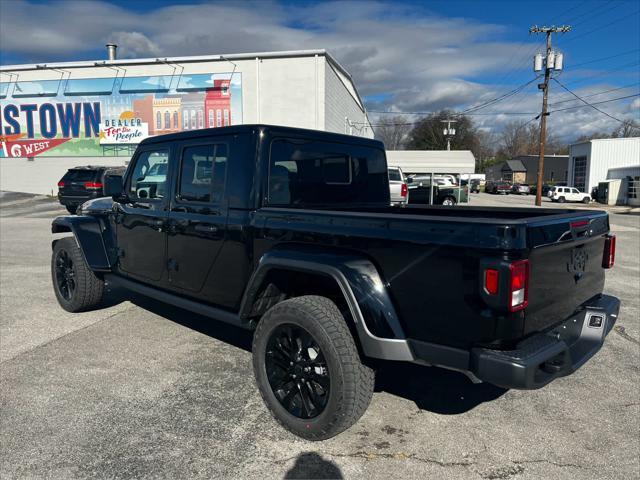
{"x":518,"y":285}
{"x":491,"y":278}
{"x":609,"y":255}
{"x":60,"y":183}
{"x":403,"y":191}
{"x":92,"y":185}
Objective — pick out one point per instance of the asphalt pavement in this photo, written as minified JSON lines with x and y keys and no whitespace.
{"x":140,"y":389}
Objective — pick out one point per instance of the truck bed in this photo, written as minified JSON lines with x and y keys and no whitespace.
{"x":437,"y":251}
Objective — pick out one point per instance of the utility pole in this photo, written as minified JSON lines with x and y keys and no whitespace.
{"x":448,"y":131}
{"x":552,"y":61}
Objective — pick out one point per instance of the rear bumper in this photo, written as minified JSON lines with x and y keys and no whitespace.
{"x":544,"y":357}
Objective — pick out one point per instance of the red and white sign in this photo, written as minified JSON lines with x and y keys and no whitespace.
{"x":30,"y":148}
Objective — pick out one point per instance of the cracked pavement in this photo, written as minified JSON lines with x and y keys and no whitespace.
{"x":144,"y":390}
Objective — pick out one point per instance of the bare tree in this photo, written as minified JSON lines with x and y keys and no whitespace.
{"x":514,"y":140}
{"x":393,"y":132}
{"x":628,"y":129}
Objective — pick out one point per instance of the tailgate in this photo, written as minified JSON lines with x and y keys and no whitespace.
{"x":566,"y":272}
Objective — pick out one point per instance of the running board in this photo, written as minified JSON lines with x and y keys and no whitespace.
{"x":178,"y":301}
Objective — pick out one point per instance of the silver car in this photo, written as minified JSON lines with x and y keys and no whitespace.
{"x":521,"y":189}
{"x":398,"y":186}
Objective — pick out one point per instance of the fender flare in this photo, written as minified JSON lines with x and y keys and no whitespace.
{"x":361,"y":285}
{"x":88,"y":232}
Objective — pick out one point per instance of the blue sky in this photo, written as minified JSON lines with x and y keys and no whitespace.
{"x":404,"y":56}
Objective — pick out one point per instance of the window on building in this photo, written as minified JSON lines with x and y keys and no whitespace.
{"x":202,"y":173}
{"x":211,"y":122}
{"x":194,"y":125}
{"x":200,"y":119}
{"x":218,"y":118}
{"x":158,"y":121}
{"x":185,"y":119}
{"x":167,"y":120}
{"x":226,"y":117}
{"x":304,"y":173}
{"x":176,"y":120}
{"x":225,"y":89}
{"x":580,"y":173}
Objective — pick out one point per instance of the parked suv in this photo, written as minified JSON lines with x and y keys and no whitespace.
{"x":397,"y":186}
{"x":290,"y":233}
{"x":568,"y":194}
{"x":80,"y":184}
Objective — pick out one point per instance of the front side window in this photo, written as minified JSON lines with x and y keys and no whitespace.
{"x":305,"y":173}
{"x":149,"y":177}
{"x":202,"y":173}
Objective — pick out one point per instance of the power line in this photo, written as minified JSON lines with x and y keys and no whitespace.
{"x":589,"y":32}
{"x":596,"y":94}
{"x":597,"y":103}
{"x":599,"y":14}
{"x":590,"y":104}
{"x":609,"y":57}
{"x":605,"y":73}
{"x":500,"y":98}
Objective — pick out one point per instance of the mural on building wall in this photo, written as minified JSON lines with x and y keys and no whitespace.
{"x":110,"y":116}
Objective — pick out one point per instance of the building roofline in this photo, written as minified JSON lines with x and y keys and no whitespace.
{"x":603,"y":139}
{"x":189,"y":59}
{"x":184,"y":59}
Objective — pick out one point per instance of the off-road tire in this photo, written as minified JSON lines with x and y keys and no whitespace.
{"x":451,"y":200}
{"x":561,"y":200}
{"x":89,"y":289}
{"x":586,"y":200}
{"x":351,"y":382}
{"x":72,"y":209}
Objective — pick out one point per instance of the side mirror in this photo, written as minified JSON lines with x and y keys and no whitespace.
{"x":113,"y":187}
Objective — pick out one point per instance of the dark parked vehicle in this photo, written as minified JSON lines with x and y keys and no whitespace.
{"x":80,"y":184}
{"x":498,"y":187}
{"x":474,"y":185}
{"x":290,"y":233}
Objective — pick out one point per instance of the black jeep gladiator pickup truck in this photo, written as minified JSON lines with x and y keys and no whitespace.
{"x":289,"y":232}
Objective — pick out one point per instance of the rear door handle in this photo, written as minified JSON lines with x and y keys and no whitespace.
{"x":206,"y":228}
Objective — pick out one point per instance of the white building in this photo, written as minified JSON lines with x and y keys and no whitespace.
{"x":453,"y":162}
{"x":604,"y":159}
{"x":61,"y":115}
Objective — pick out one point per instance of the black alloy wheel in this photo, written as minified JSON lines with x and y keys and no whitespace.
{"x":65,"y":275}
{"x":297,"y":371}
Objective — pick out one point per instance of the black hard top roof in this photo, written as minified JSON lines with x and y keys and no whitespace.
{"x":256,"y":128}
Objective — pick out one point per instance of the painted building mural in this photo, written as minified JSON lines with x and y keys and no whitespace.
{"x":110,"y":116}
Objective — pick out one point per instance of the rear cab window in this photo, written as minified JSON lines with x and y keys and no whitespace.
{"x":306,"y":173}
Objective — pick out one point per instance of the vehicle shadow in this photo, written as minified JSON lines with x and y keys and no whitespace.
{"x":434,"y":389}
{"x":310,"y":465}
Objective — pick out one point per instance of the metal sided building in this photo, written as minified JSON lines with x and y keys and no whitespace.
{"x":421,"y":162}
{"x":603,"y":159}
{"x":60,"y":115}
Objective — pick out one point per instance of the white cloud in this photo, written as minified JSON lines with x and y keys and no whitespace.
{"x":425,"y":61}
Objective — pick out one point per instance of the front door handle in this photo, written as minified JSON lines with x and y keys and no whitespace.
{"x":157,"y":224}
{"x":206,"y":228}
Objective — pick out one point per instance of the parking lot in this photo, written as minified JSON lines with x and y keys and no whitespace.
{"x":141,"y":389}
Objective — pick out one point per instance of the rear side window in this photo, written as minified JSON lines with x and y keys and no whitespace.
{"x":394,"y":175}
{"x":202,"y":173}
{"x":80,"y":175}
{"x":307,"y":173}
